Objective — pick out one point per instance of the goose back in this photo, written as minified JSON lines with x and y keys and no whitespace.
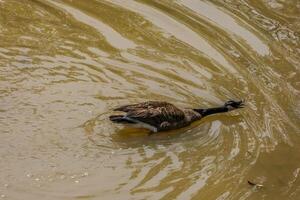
{"x":162,"y":115}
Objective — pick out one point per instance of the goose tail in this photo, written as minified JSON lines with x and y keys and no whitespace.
{"x":121,"y":119}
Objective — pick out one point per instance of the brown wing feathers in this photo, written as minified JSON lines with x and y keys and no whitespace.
{"x":153,"y":113}
{"x":144,"y":105}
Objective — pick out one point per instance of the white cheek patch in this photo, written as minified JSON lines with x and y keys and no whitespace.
{"x":230,"y":108}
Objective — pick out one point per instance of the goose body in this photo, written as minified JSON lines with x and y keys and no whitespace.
{"x":162,"y":116}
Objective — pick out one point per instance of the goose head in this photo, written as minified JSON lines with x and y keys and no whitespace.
{"x":231,"y":104}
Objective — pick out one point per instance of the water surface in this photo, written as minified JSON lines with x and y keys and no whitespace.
{"x":65,"y":64}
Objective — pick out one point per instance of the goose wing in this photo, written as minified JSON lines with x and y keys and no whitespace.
{"x":143,"y":105}
{"x":153,"y":112}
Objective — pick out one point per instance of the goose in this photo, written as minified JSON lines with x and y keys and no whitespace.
{"x":163,"y":116}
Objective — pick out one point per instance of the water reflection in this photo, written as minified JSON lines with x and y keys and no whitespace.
{"x":228,"y":23}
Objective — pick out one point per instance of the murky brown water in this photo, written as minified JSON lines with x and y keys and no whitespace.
{"x":65,"y":64}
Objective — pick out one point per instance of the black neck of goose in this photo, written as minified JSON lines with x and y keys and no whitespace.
{"x":210,"y":111}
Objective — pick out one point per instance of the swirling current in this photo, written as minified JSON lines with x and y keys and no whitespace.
{"x":65,"y":64}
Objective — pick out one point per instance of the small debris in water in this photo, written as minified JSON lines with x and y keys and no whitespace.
{"x":37,"y":179}
{"x":85,"y":174}
{"x":77,"y":181}
{"x":3,"y":196}
{"x":255,"y":184}
{"x":29,"y":175}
